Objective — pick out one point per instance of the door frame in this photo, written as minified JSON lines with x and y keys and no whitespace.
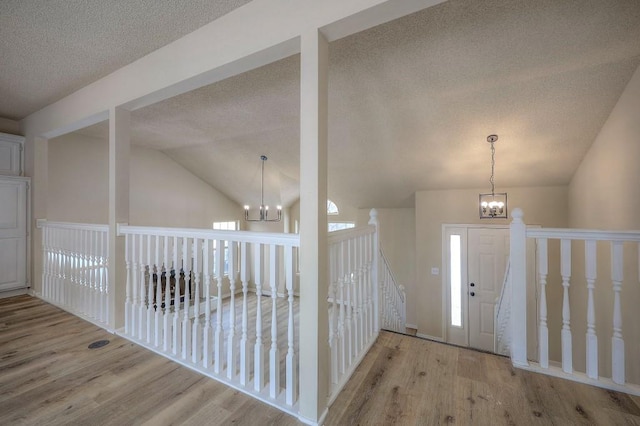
{"x":447,"y":230}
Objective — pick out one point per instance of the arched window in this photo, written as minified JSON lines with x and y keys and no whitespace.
{"x":331,"y":207}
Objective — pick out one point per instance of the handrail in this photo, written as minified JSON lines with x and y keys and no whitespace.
{"x":346,"y":234}
{"x":583,"y":234}
{"x":41,"y":223}
{"x":501,"y":326}
{"x":399,"y":290}
{"x":239,"y":236}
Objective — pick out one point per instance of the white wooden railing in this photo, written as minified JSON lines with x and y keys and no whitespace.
{"x":393,"y":303}
{"x":74,"y":270}
{"x":353,"y":300}
{"x":502,"y":315}
{"x":177,"y":282}
{"x":593,"y":284}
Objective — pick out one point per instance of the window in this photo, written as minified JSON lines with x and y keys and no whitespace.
{"x":332,"y":208}
{"x":225,"y":226}
{"x":231,"y":225}
{"x":338,"y":226}
{"x":456,"y":280}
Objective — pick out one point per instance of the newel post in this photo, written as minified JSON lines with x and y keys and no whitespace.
{"x":518,"y":258}
{"x":373,"y":220}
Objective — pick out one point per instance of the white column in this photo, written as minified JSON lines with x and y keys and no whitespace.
{"x":119,"y":148}
{"x":37,"y":167}
{"x":314,"y":335}
{"x":518,"y":240}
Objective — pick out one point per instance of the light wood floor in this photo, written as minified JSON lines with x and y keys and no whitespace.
{"x":49,"y":376}
{"x":410,"y":381}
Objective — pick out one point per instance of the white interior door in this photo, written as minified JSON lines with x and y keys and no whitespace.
{"x":13,"y":233}
{"x":475,"y":264}
{"x":487,"y":251}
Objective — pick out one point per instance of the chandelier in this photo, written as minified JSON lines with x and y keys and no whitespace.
{"x":494,"y":205}
{"x":264,"y":210}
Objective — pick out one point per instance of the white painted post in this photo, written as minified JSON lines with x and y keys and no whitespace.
{"x":543,"y":332}
{"x":566,"y":339}
{"x":590,"y":262}
{"x":291,"y":376}
{"x":373,"y":220}
{"x":119,"y":149}
{"x":142,"y":306}
{"x":617,"y":343}
{"x":314,"y":356}
{"x":518,"y":240}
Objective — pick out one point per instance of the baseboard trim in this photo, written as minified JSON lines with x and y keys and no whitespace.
{"x":429,"y":337}
{"x":411,"y":326}
{"x":14,"y":292}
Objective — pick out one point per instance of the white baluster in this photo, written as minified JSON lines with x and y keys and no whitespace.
{"x":158,"y":296}
{"x":342,"y":332}
{"x":543,"y":331}
{"x":274,"y":353}
{"x":187,"y":266}
{"x":196,"y":328}
{"x":104,"y":281}
{"x":206,"y":358}
{"x":142,"y":282}
{"x":565,"y":270}
{"x":333,"y":317}
{"x":150,"y":293}
{"x":166,"y":312}
{"x":219,"y":336}
{"x":232,"y":354}
{"x":360,"y":304}
{"x":291,"y":377}
{"x":134,"y":286}
{"x":349,"y":284}
{"x":244,"y":340}
{"x":127,"y":301}
{"x":177,"y":268}
{"x":590,"y":261}
{"x":617,"y":343}
{"x":258,"y":360}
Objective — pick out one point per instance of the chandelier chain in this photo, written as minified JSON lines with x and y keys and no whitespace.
{"x":493,"y":165}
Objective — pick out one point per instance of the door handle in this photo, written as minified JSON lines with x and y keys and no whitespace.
{"x":472,"y":294}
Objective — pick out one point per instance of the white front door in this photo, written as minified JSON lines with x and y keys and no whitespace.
{"x":475,"y":264}
{"x":487,"y":251}
{"x":13,"y":233}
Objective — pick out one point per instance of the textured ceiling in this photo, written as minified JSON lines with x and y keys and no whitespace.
{"x":50,"y":49}
{"x":412,"y":101}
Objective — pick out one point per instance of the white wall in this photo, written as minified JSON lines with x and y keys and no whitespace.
{"x":605,"y":194}
{"x":163,"y":193}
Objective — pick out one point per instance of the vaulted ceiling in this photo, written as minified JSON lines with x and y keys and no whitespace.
{"x":411,"y":102}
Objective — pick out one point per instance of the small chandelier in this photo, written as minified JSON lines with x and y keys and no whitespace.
{"x":264,"y":210}
{"x":494,"y":205}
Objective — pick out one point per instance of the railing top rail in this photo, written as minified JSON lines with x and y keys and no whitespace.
{"x":346,"y":234}
{"x":43,"y":223}
{"x":391,"y":274}
{"x":211,"y":234}
{"x":583,"y":234}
